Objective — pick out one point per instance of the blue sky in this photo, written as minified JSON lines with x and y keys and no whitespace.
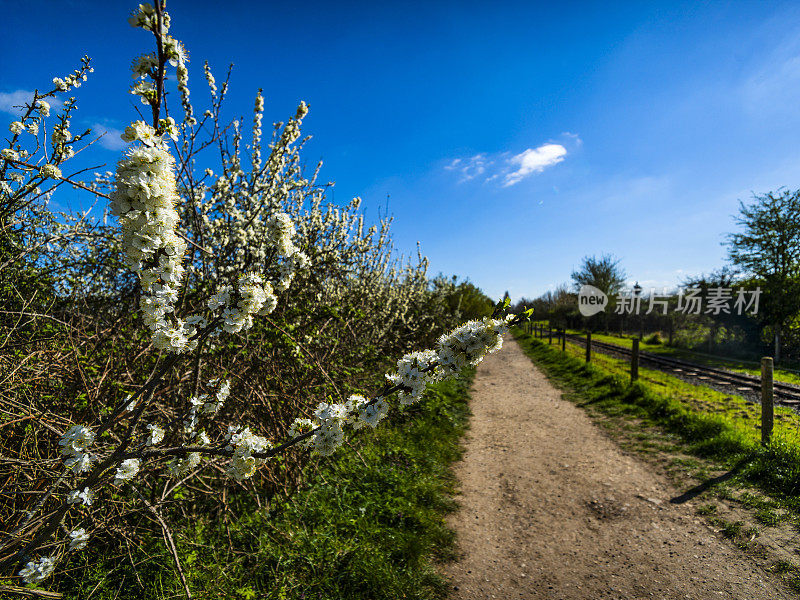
{"x":512,"y":139}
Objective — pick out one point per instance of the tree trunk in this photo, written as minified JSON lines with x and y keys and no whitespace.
{"x":777,"y":343}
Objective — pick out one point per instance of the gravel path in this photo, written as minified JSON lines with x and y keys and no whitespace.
{"x":551,"y":508}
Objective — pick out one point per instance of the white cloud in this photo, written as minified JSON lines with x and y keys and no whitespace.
{"x":509,"y":169}
{"x":111,"y":137}
{"x":574,"y":138}
{"x":470,"y":168}
{"x":534,"y":160}
{"x":11,"y":102}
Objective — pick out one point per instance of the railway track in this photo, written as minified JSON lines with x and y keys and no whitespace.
{"x":784,"y":393}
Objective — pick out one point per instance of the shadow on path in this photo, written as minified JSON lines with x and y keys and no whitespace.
{"x":699,"y":489}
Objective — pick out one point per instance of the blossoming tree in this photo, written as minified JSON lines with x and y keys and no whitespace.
{"x":212,"y":257}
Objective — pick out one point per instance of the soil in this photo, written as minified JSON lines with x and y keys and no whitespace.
{"x":551,"y":507}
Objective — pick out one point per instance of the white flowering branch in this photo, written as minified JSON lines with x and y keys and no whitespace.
{"x":256,"y":234}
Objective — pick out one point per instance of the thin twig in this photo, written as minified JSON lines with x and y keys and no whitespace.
{"x":169,"y":542}
{"x":29,"y":592}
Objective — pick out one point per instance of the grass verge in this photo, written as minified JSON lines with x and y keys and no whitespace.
{"x":369,"y":523}
{"x":719,"y":432}
{"x":748,"y":367}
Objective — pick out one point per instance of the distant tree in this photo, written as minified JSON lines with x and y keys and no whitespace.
{"x":605,"y":274}
{"x":768,"y":249}
{"x":468,"y":301}
{"x":563,"y":306}
{"x":725,"y":278}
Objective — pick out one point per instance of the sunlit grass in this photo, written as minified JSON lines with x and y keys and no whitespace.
{"x":368,"y":524}
{"x":732,"y":364}
{"x":711,"y":424}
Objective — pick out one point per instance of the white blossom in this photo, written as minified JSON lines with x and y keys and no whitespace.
{"x":85,"y":497}
{"x":37,"y":571}
{"x":74,"y":444}
{"x":244,"y":443}
{"x":79,"y":539}
{"x":127,"y":470}
{"x":51,"y":171}
{"x":155,"y":436}
{"x":180,"y":466}
{"x":144,"y":201}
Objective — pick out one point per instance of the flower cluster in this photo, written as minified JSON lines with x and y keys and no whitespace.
{"x":244,"y":443}
{"x":9,"y":154}
{"x":366,"y":413}
{"x":145,"y":17}
{"x":330,"y":419}
{"x":155,"y":436}
{"x":468,"y":344}
{"x":144,"y":201}
{"x":84,"y":497}
{"x":414,"y":371}
{"x":252,"y":296}
{"x":180,"y":466}
{"x":258,"y":115}
{"x":75,"y":443}
{"x":79,"y":539}
{"x":465,"y":345}
{"x":34,"y":572}
{"x":73,"y":80}
{"x":127,"y":470}
{"x":146,"y":65}
{"x":206,"y":404}
{"x":178,"y":57}
{"x":50,"y":171}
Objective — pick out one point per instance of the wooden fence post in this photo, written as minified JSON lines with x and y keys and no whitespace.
{"x":563,"y":340}
{"x":588,"y":346}
{"x":767,"y":398}
{"x":635,"y":360}
{"x":549,"y":335}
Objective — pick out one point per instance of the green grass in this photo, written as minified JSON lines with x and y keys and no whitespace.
{"x":709,"y":424}
{"x":368,"y":524}
{"x":709,"y":360}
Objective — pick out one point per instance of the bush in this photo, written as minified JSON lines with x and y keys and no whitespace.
{"x":654,"y":339}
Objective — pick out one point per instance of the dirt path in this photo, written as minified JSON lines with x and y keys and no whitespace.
{"x":551,"y":508}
